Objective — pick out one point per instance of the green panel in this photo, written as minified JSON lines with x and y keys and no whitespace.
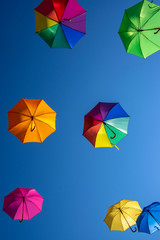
{"x":119,"y":123}
{"x":48,"y":34}
{"x":119,"y":134}
{"x":127,"y":38}
{"x":148,"y":47}
{"x":135,"y":46}
{"x":153,"y":22}
{"x":126,"y":25}
{"x":134,"y":12}
{"x":148,"y":11}
{"x":60,"y":40}
{"x":154,"y":38}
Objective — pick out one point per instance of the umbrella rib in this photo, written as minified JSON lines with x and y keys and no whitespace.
{"x":38,"y":132}
{"x":27,"y":210}
{"x":27,"y":107}
{"x":44,"y":123}
{"x":150,"y":18}
{"x":37,"y":108}
{"x":140,"y":45}
{"x":150,"y":40}
{"x":34,"y":204}
{"x":45,"y":114}
{"x":18,"y":124}
{"x":20,"y":114}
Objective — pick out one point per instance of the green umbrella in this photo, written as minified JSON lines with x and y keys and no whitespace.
{"x":140,"y":29}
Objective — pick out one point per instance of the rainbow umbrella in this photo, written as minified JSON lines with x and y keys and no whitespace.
{"x":61,"y":23}
{"x":106,"y":124}
{"x":23,"y":204}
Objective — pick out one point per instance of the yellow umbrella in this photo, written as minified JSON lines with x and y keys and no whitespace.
{"x":31,"y":120}
{"x":123,"y":215}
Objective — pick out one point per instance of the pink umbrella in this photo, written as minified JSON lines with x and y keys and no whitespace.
{"x":23,"y":204}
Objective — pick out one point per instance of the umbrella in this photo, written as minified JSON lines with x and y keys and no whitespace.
{"x":106,"y":124}
{"x":31,"y":120}
{"x":123,"y":215}
{"x":23,"y":204}
{"x":140,"y":29}
{"x":149,"y":220}
{"x":60,"y":23}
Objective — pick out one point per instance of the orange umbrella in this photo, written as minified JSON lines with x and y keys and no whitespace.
{"x":31,"y":120}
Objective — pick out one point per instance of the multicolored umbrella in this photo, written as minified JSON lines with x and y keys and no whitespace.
{"x":61,"y":23}
{"x":140,"y":29}
{"x":31,"y":120}
{"x":106,"y":124}
{"x":23,"y":204}
{"x":149,"y":220}
{"x":123,"y":215}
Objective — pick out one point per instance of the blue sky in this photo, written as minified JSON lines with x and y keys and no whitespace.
{"x":78,"y":182}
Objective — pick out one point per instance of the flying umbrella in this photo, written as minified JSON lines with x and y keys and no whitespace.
{"x":31,"y":120}
{"x":122,"y":215}
{"x":60,"y":23}
{"x":106,"y":124}
{"x":23,"y":204}
{"x":149,"y":220}
{"x":140,"y":29}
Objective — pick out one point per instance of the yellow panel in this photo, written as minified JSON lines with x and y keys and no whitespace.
{"x":43,"y":22}
{"x":102,"y":139}
{"x":43,"y":129}
{"x":32,"y":136}
{"x":43,"y":108}
{"x":49,"y":119}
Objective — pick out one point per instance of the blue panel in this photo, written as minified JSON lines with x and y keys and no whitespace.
{"x":71,"y":35}
{"x":116,"y":112}
{"x":142,"y":223}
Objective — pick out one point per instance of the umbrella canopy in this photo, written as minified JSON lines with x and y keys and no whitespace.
{"x":122,"y":215}
{"x":23,"y":204}
{"x":140,"y":28}
{"x":149,"y":220}
{"x":106,"y":124}
{"x":61,"y":23}
{"x":31,"y":120}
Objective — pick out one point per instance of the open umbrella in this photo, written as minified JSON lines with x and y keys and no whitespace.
{"x":149,"y":220}
{"x":123,"y":215}
{"x":61,"y":23}
{"x":106,"y":124}
{"x":23,"y":204}
{"x":140,"y":29}
{"x":31,"y":120}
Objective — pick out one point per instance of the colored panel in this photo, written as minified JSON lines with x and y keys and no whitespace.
{"x":15,"y":119}
{"x":89,"y":122}
{"x":21,"y":107}
{"x":60,"y":40}
{"x":20,"y":130}
{"x":72,"y":9}
{"x":49,"y":34}
{"x":105,"y":108}
{"x":95,"y":113}
{"x":116,"y":112}
{"x":131,"y":47}
{"x":91,"y":133}
{"x":102,"y":139}
{"x":32,"y":136}
{"x":43,"y":108}
{"x":154,"y":21}
{"x":127,"y":25}
{"x":47,"y":9}
{"x":32,"y":104}
{"x":119,"y":123}
{"x":133,"y":14}
{"x":43,"y":22}
{"x":44,"y":129}
{"x":147,"y":45}
{"x":148,"y":11}
{"x":59,"y":6}
{"x":72,"y":36}
{"x":77,"y":23}
{"x":48,"y":119}
{"x":113,"y":134}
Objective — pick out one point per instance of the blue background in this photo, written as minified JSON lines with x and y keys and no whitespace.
{"x":78,"y":182}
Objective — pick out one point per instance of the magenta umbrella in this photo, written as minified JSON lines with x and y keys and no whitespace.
{"x":23,"y":204}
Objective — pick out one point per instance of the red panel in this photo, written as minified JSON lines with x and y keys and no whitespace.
{"x":89,"y":122}
{"x":60,"y":6}
{"x":46,"y":8}
{"x":91,"y":134}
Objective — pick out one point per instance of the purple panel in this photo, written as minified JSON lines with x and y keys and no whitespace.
{"x":105,"y":108}
{"x":77,"y":23}
{"x":72,"y":9}
{"x":95,"y":113}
